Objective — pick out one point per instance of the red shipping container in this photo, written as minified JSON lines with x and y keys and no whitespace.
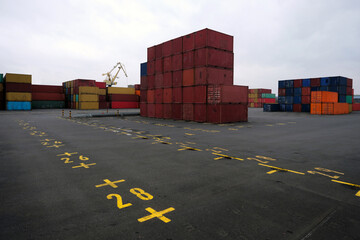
{"x":167,"y":109}
{"x":143,"y":96}
{"x":356,"y":106}
{"x":143,"y":83}
{"x":226,"y":113}
{"x":211,"y":38}
{"x":143,"y":109}
{"x":176,"y":45}
{"x":269,"y":100}
{"x":188,"y":77}
{"x":159,"y":66}
{"x":18,"y":87}
{"x":150,"y":110}
{"x":177,"y":95}
{"x":176,"y":62}
{"x":200,"y":112}
{"x":296,"y":107}
{"x":166,"y":49}
{"x":167,"y":80}
{"x":188,"y":42}
{"x":102,"y":98}
{"x":200,"y":94}
{"x":315,"y":82}
{"x":137,"y":87}
{"x":214,"y":76}
{"x":188,"y":94}
{"x":158,"y":51}
{"x":159,"y":110}
{"x":263,"y":90}
{"x":167,"y":95}
{"x":282,"y":92}
{"x":151,"y":96}
{"x":188,"y":111}
{"x":103,"y":105}
{"x":36,"y":96}
{"x":159,"y":80}
{"x":84,"y":82}
{"x":349,"y":82}
{"x":251,"y":100}
{"x":306,"y":91}
{"x":151,"y":82}
{"x":349,"y":91}
{"x":305,"y":99}
{"x":115,"y":105}
{"x":227,"y":94}
{"x":151,"y":54}
{"x":167,"y":64}
{"x":150,"y":68}
{"x":159,"y":94}
{"x":48,"y":88}
{"x":206,"y":57}
{"x":101,"y":85}
{"x":177,"y":111}
{"x":177,"y":78}
{"x":188,"y":60}
{"x":123,"y":98}
{"x":298,"y":83}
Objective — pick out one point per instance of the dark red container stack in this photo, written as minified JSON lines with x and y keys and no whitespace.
{"x":191,"y":78}
{"x":103,"y":104}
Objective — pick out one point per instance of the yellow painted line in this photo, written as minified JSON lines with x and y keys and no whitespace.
{"x":233,"y":129}
{"x":240,"y":126}
{"x":281,"y":169}
{"x":189,"y":134}
{"x":189,"y":148}
{"x":110,"y":183}
{"x":155,"y":214}
{"x":269,"y":125}
{"x":346,"y":183}
{"x":223,"y":149}
{"x":272,"y":171}
{"x":357,"y":194}
{"x":320,"y":173}
{"x":328,"y":170}
{"x":226,"y":156}
{"x":280,"y":124}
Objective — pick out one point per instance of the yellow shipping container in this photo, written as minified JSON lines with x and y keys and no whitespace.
{"x":88,"y":105}
{"x":255,"y":91}
{"x":119,"y":90}
{"x":88,"y":90}
{"x":102,"y":91}
{"x":77,"y":105}
{"x":88,"y":98}
{"x":350,"y":108}
{"x":18,"y":96}
{"x":17,"y":78}
{"x":252,"y":104}
{"x":255,"y":100}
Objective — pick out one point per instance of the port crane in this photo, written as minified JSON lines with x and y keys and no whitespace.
{"x":110,"y":80}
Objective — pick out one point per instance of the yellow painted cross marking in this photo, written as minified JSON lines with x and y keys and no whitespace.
{"x":258,"y":160}
{"x":67,"y":154}
{"x":277,"y":169}
{"x":84,"y":165}
{"x":155,"y":214}
{"x":189,"y":148}
{"x":225,"y":156}
{"x":189,"y":134}
{"x":350,"y":184}
{"x":110,"y":183}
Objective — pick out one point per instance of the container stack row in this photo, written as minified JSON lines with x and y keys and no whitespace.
{"x":356,"y":103}
{"x":103,"y":104}
{"x":258,"y":97}
{"x":2,"y":99}
{"x":47,"y":97}
{"x":17,"y":91}
{"x":191,"y":78}
{"x":326,"y":103}
{"x":295,"y":95}
{"x":122,"y":97}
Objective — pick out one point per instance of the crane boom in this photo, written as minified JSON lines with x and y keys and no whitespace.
{"x":109,"y":80}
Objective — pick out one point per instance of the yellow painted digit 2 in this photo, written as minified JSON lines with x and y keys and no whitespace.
{"x":120,"y":204}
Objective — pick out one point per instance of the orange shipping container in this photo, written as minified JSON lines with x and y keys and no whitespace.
{"x":137,"y":92}
{"x":315,"y":108}
{"x":327,"y":108}
{"x":341,"y":108}
{"x":324,"y":97}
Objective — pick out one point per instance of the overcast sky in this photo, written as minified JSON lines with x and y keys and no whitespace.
{"x":57,"y":41}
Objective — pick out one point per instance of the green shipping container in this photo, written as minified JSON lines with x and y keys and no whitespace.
{"x":268,"y":95}
{"x":47,"y":104}
{"x":1,"y":77}
{"x":349,"y":99}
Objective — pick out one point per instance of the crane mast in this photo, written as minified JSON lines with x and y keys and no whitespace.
{"x":110,"y":80}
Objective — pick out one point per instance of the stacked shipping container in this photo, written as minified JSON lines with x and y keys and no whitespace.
{"x":257,"y":97}
{"x":17,"y":91}
{"x":191,"y":78}
{"x":326,"y":103}
{"x":103,"y":104}
{"x":2,"y":98}
{"x":122,"y":97}
{"x":295,"y":95}
{"x":46,"y":96}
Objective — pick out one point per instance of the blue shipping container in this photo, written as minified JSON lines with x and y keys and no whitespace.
{"x":289,"y":83}
{"x":305,"y":107}
{"x":143,"y":69}
{"x":315,"y":88}
{"x":281,"y":84}
{"x":297,"y":99}
{"x":342,"y":90}
{"x":289,"y":99}
{"x":324,"y":88}
{"x":306,"y":82}
{"x":271,"y":107}
{"x":342,"y":98}
{"x":288,"y":107}
{"x":297,"y":91}
{"x":281,"y":99}
{"x":342,"y":81}
{"x":334,"y":81}
{"x":333,"y":88}
{"x":289,"y":91}
{"x":282,"y":107}
{"x":325,"y":81}
{"x":18,"y":106}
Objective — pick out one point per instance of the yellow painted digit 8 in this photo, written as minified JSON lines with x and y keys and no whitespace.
{"x":141,"y":194}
